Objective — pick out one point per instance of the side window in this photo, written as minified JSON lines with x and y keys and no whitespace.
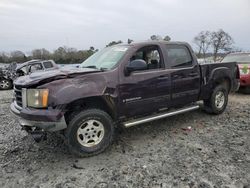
{"x":47,"y":64}
{"x":178,"y":56}
{"x":35,"y":67}
{"x":24,"y":69}
{"x":151,"y":55}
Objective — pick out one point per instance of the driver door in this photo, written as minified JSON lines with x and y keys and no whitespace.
{"x":145,"y":91}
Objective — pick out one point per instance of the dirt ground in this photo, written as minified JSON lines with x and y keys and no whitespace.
{"x":214,"y":153}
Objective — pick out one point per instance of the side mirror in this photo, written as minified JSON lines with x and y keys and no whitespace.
{"x":135,"y":65}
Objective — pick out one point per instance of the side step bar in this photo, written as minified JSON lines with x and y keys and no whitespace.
{"x":159,"y":116}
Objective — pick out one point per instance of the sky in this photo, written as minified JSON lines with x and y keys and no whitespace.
{"x":30,"y":24}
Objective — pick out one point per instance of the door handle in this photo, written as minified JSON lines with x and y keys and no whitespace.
{"x":162,"y":78}
{"x":193,"y":74}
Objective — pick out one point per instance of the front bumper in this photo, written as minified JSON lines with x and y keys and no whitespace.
{"x":47,"y":120}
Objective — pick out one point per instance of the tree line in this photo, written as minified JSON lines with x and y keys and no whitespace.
{"x":62,"y":55}
{"x":207,"y":43}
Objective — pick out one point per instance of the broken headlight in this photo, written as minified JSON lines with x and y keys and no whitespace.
{"x":37,"y":98}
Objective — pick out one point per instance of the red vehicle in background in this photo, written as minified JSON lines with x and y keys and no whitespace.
{"x":243,"y":61}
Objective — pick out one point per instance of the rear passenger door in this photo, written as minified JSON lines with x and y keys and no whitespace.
{"x":185,"y":75}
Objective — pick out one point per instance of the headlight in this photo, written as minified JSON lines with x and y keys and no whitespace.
{"x":245,"y":70}
{"x":37,"y":98}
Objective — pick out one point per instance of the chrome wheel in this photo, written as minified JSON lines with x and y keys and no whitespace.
{"x":90,"y":133}
{"x":4,"y":84}
{"x":219,"y":99}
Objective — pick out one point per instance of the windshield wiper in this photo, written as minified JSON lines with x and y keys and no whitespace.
{"x":103,"y":69}
{"x":90,"y":66}
{"x":94,"y":67}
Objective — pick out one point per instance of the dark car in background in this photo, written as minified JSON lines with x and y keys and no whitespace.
{"x":10,"y":73}
{"x":243,"y":62}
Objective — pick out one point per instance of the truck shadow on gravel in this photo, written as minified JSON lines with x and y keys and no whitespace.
{"x":54,"y":147}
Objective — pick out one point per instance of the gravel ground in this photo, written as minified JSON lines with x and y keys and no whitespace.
{"x":214,"y":153}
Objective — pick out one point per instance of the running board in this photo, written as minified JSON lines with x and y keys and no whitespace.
{"x":159,"y":116}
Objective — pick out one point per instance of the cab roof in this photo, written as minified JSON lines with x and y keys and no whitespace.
{"x":153,"y":42}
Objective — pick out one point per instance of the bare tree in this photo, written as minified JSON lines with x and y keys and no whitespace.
{"x":221,"y":41}
{"x":203,"y":42}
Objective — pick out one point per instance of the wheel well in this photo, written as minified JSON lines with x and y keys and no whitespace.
{"x":225,"y":82}
{"x":90,"y":102}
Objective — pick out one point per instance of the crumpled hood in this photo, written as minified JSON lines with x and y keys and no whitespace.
{"x":48,"y":76}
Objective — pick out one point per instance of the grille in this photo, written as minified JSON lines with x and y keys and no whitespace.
{"x":18,"y":95}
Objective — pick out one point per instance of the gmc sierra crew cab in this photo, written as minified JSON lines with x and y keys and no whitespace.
{"x":120,"y":86}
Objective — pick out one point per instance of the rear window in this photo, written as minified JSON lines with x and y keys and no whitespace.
{"x":47,"y":65}
{"x":178,"y":56}
{"x":239,"y":58}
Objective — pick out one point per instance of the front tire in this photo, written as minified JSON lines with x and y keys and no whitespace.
{"x":218,"y":100}
{"x":5,"y":84}
{"x":89,"y":132}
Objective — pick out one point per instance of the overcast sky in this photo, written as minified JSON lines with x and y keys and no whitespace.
{"x":30,"y":24}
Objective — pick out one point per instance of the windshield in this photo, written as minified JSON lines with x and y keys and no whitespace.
{"x":239,"y":58}
{"x":106,"y":58}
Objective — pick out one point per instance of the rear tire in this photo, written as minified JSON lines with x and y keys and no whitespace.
{"x":218,"y":100}
{"x":5,"y":84}
{"x":89,"y":132}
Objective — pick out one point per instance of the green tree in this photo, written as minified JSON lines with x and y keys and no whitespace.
{"x":18,"y":56}
{"x":114,"y":43}
{"x":167,"y":38}
{"x":40,"y":54}
{"x":155,"y":37}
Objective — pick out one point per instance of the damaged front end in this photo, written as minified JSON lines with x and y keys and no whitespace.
{"x":36,"y":121}
{"x":39,"y":105}
{"x":37,"y":134}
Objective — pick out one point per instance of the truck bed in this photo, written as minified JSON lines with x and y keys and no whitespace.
{"x":213,"y":71}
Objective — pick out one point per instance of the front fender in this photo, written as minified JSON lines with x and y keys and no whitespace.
{"x":65,"y":91}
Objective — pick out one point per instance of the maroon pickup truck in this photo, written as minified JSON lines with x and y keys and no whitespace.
{"x":122,"y":85}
